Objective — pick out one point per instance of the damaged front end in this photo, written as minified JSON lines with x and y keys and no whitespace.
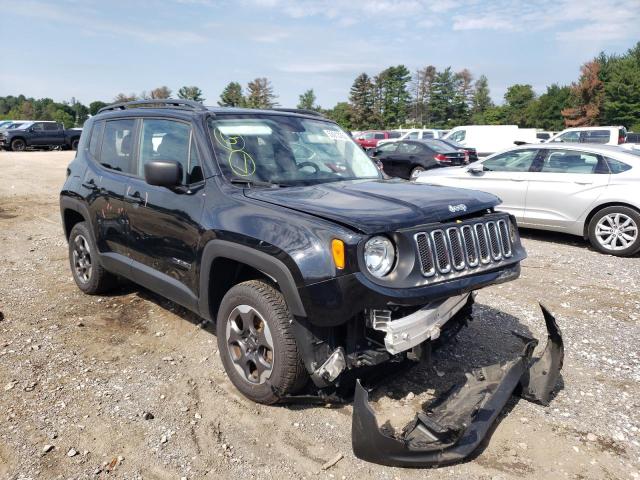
{"x":450,"y":431}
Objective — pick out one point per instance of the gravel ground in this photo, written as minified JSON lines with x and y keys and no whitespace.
{"x":131,"y":386}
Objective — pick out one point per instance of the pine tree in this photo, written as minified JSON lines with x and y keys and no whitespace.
{"x":481,"y":100}
{"x":308,"y":100}
{"x":232,"y":96}
{"x":260,"y":94}
{"x":361,"y":98}
{"x":191,"y":93}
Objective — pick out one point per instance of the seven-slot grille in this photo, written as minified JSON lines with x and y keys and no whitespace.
{"x":454,"y":248}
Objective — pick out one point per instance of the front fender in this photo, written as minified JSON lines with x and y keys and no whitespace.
{"x":268,"y":264}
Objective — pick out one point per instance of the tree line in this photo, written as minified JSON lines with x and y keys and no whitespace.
{"x":606,"y":93}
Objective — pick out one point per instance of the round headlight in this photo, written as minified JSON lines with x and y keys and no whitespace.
{"x":379,"y":255}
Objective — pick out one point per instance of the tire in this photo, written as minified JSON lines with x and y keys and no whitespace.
{"x":615,"y":230}
{"x":74,"y":144}
{"x":87,"y":272}
{"x":18,"y":145}
{"x":256,"y":342}
{"x":415,"y":172}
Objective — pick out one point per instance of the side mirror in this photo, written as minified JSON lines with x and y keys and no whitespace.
{"x":163,"y":173}
{"x":475,"y":169}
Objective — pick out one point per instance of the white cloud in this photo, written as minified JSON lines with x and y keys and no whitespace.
{"x":326,"y":67}
{"x":85,"y":20}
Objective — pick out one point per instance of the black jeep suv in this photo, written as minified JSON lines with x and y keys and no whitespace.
{"x":278,"y":227}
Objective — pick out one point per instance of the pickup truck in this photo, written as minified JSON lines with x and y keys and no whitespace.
{"x":42,"y":134}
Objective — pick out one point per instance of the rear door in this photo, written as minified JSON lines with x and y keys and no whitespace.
{"x":104,"y":185}
{"x":54,"y":134}
{"x":383,"y":153}
{"x":164,"y":222}
{"x":565,"y":184}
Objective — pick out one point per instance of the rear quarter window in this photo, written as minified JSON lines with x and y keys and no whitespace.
{"x":616,"y":166}
{"x":94,"y":142}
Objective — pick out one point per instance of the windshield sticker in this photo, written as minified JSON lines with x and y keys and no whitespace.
{"x":336,"y":135}
{"x":241,"y":163}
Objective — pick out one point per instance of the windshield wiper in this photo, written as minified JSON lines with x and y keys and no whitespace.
{"x":254,"y":183}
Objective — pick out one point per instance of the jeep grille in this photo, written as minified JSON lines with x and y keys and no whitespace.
{"x":460,"y":248}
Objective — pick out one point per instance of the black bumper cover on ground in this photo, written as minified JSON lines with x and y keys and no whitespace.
{"x":453,"y":429}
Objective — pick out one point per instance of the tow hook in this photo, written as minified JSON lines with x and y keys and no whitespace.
{"x":454,"y":428}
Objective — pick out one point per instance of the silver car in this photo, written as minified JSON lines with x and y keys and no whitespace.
{"x":588,"y":190}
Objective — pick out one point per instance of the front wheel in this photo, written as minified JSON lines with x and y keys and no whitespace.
{"x":74,"y":144}
{"x":615,"y":230}
{"x":256,"y":342}
{"x":18,"y":145}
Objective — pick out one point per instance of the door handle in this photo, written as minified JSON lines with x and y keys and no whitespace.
{"x":134,"y":197}
{"x":517,"y":179}
{"x":90,"y":185}
{"x":582,"y":183}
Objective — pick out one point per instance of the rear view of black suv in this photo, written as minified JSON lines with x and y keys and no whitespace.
{"x":276,"y":225}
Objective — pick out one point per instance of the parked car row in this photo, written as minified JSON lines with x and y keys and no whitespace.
{"x":18,"y":135}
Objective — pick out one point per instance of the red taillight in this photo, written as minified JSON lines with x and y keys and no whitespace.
{"x":620,"y":140}
{"x":441,"y":158}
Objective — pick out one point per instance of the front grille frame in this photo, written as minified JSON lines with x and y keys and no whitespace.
{"x":473,"y":245}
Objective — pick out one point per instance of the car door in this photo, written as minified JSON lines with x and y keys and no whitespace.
{"x":37,"y":134}
{"x":164,"y":222}
{"x":383,"y":152}
{"x":505,"y":175}
{"x":54,"y":134}
{"x":399,"y":162}
{"x":104,"y":184}
{"x":565,"y":185}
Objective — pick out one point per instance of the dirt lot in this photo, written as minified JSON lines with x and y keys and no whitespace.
{"x":80,"y":376}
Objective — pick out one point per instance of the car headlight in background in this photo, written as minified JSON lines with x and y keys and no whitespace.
{"x":379,"y":256}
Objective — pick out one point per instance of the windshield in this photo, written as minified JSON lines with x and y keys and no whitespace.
{"x":22,"y":126}
{"x":286,"y":150}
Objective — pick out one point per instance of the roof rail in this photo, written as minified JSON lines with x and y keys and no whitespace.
{"x":303,"y":111}
{"x":156,"y":103}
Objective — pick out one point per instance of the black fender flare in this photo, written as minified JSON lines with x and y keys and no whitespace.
{"x":267,"y":264}
{"x":68,"y":203}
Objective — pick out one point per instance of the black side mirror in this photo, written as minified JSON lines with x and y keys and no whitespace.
{"x":163,"y":173}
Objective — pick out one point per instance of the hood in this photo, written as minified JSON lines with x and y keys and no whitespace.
{"x":374,"y":206}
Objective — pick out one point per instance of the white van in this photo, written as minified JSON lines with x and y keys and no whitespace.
{"x":415,"y":134}
{"x":488,"y":139}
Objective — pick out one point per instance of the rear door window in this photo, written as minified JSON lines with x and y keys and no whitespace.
{"x":379,"y":136}
{"x":595,"y":136}
{"x":408,"y":148}
{"x":572,"y":161}
{"x":117,"y":146}
{"x":51,"y":126}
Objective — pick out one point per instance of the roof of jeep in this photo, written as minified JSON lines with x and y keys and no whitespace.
{"x":187,"y":108}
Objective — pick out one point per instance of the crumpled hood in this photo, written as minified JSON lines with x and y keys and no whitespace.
{"x":374,"y":206}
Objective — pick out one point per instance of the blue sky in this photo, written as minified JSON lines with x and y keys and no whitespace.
{"x":96,"y":49}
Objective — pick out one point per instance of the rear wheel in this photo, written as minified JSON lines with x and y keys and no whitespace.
{"x":256,"y":342}
{"x":74,"y":144}
{"x":416,"y":172}
{"x":18,"y":145}
{"x":615,"y":230}
{"x":87,"y":272}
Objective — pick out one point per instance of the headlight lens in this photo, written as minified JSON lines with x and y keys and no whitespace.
{"x":379,"y":256}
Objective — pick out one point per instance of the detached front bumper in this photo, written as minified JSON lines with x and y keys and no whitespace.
{"x":454,"y":428}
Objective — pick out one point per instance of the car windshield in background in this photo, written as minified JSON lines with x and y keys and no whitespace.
{"x":286,"y":150}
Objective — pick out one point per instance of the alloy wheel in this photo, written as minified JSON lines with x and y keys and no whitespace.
{"x":616,"y":231}
{"x":82,"y":258}
{"x":250,"y":344}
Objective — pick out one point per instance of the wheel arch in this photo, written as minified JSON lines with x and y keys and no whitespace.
{"x":595,"y":210}
{"x":225,"y":264}
{"x":18,"y":138}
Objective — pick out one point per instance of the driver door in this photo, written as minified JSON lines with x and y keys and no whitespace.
{"x":505,"y":175}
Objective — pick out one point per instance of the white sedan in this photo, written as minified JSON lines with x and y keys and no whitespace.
{"x":588,"y":190}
